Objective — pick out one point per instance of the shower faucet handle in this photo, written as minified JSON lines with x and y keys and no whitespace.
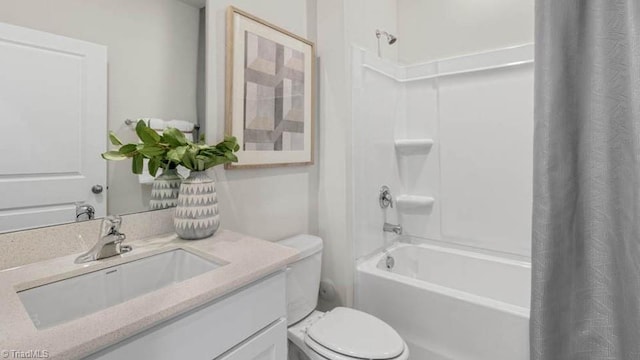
{"x":385,"y":198}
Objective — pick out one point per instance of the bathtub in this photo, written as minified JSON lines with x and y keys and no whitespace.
{"x":449,"y":304}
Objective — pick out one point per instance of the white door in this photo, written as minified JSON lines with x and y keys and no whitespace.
{"x":53,"y":123}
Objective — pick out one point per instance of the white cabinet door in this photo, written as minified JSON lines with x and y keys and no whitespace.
{"x":53,"y":121}
{"x":269,"y":344}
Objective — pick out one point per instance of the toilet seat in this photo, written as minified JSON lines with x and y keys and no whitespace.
{"x":345,"y":334}
{"x":331,"y":355}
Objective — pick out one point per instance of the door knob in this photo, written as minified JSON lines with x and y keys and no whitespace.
{"x":96,"y":189}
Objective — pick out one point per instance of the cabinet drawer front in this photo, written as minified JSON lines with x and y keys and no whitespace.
{"x":209,"y":331}
{"x":269,"y":344}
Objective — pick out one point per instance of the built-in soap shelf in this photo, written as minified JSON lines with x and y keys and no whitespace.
{"x":413,"y":146}
{"x":414,"y":202}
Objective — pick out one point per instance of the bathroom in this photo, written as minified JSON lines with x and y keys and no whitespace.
{"x":418,"y":180}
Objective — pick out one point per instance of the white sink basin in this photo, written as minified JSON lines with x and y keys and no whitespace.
{"x":69,"y":299}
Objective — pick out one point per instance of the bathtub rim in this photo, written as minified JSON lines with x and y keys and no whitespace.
{"x":370,"y":266}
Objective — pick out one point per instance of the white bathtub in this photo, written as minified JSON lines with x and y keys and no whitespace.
{"x":448,"y":303}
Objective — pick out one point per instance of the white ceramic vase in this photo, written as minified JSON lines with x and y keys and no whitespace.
{"x":165,"y":190}
{"x":196,"y":215}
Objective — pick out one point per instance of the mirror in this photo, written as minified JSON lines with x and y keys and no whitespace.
{"x":72,"y":71}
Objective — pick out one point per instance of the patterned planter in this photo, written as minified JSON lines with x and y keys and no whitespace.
{"x":196,"y":215}
{"x":165,"y":189}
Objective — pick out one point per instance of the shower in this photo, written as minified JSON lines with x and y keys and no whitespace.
{"x":391,"y":39}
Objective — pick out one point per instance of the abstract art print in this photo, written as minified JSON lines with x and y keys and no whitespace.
{"x":270,"y":93}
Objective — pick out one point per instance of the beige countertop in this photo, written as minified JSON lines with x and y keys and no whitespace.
{"x":247,"y":259}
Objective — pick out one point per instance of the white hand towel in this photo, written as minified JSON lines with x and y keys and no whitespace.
{"x":182,"y":125}
{"x":155,"y":123}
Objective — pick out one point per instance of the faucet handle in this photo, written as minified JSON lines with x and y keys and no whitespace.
{"x":111,"y":225}
{"x":385,"y":198}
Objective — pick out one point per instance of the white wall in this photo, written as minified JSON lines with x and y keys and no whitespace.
{"x":270,"y":203}
{"x":340,"y":24}
{"x":307,"y":199}
{"x":436,"y":29}
{"x":333,"y":214}
{"x":364,"y":17}
{"x":152,"y":49}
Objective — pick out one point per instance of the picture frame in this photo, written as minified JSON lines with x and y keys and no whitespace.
{"x":270,"y":93}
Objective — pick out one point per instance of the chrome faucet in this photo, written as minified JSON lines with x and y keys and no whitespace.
{"x":110,"y":242}
{"x":397,"y":229}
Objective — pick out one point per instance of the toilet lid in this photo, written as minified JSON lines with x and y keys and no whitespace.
{"x":356,"y":334}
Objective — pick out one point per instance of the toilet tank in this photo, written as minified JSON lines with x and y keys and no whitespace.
{"x":303,"y":276}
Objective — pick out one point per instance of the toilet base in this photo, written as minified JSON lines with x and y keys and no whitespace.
{"x":294,"y":353}
{"x":296,"y":334}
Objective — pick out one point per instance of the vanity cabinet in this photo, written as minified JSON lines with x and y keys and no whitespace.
{"x":266,"y":345}
{"x":248,"y":324}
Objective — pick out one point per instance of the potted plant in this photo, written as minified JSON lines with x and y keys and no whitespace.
{"x":196,"y":215}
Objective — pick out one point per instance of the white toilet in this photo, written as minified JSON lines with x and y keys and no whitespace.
{"x":339,"y":334}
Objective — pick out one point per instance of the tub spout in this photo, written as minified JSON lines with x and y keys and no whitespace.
{"x":397,"y":229}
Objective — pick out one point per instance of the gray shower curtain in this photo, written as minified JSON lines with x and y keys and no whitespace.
{"x":586,"y":208}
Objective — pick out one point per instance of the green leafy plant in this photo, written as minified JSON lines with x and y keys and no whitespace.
{"x":170,"y":149}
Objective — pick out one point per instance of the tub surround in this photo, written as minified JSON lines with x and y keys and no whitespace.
{"x":428,"y":145}
{"x":246,"y":259}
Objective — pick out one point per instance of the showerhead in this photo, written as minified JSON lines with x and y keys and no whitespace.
{"x":391,"y":39}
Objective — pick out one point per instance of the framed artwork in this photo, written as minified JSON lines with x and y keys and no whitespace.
{"x":270,"y":93}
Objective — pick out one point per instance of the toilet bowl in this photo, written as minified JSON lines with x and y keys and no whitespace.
{"x":339,"y":334}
